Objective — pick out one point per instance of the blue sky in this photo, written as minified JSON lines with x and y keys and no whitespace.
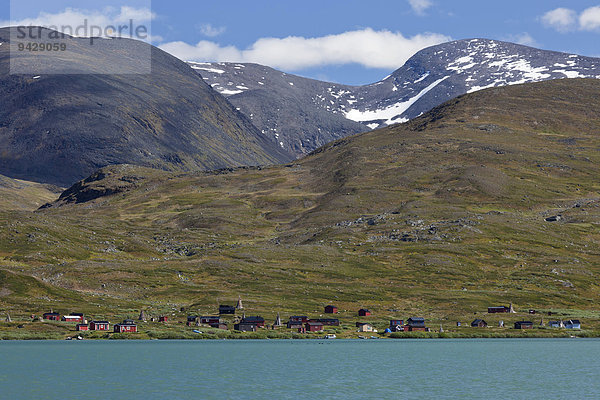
{"x":347,"y":41}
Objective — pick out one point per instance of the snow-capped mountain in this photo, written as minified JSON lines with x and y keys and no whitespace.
{"x":302,"y":114}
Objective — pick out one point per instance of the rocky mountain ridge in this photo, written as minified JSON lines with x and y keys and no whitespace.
{"x":302,"y":114}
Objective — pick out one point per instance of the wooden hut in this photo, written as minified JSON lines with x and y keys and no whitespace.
{"x":99,"y":326}
{"x":245,"y":327}
{"x":51,"y":316}
{"x":331,"y":309}
{"x":415,"y":324}
{"x":326,"y":321}
{"x":72,"y":318}
{"x":224,"y":309}
{"x":364,"y":327}
{"x":313,"y":326}
{"x":209,"y":319}
{"x":479,"y":323}
{"x":523,"y":325}
{"x":573,"y":324}
{"x":498,"y":309}
{"x":127,"y":326}
{"x":258,"y":321}
{"x":300,"y":318}
{"x":295,"y":324}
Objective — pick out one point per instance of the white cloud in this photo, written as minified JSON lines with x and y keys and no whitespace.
{"x":138,"y":15}
{"x":522,"y":38}
{"x":561,"y":19}
{"x":420,"y":6}
{"x":372,"y":49}
{"x":68,"y":17}
{"x":211,"y":31}
{"x":589,"y":20}
{"x":565,"y":20}
{"x":71,"y":18}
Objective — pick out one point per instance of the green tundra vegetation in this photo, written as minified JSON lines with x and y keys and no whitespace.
{"x":489,"y":199}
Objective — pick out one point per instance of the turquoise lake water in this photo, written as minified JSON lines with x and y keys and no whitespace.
{"x":301,"y":369}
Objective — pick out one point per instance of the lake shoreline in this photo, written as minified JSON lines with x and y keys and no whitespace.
{"x":283,"y":336}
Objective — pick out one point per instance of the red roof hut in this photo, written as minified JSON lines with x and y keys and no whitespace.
{"x":127,"y":326}
{"x":313,"y":327}
{"x":99,"y":326}
{"x":331,"y":309}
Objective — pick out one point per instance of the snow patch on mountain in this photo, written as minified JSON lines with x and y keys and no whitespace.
{"x":392,"y":113}
{"x":205,"y":67}
{"x":462,"y":64}
{"x":570,"y":74}
{"x":229,"y":92}
{"x":478,"y":88}
{"x":417,"y":81}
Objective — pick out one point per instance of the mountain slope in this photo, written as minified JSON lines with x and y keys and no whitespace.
{"x":293,"y":111}
{"x":302,"y":114}
{"x":22,"y":195}
{"x":60,"y":128}
{"x":441,"y":216}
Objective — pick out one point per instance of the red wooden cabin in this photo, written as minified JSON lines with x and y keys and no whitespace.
{"x":245,"y":327}
{"x":224,"y":309}
{"x":127,"y":326}
{"x":258,"y":321}
{"x":331,"y":309}
{"x":73,"y":318}
{"x":210,"y":320}
{"x":299,"y":318}
{"x":415,"y":324}
{"x":523,"y":325}
{"x":313,"y":327}
{"x":52,"y":316}
{"x":99,"y":326}
{"x":326,"y":321}
{"x":295,"y":325}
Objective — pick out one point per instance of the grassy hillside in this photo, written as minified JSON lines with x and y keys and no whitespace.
{"x":439,"y":217}
{"x":16,"y":194}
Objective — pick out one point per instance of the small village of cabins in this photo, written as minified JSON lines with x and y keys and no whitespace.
{"x":297,"y":323}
